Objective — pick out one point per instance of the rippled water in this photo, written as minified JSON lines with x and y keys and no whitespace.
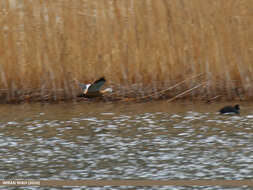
{"x":155,"y":140}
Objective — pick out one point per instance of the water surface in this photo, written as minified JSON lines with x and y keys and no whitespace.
{"x":156,"y":140}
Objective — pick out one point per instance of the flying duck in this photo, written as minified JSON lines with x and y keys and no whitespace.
{"x":230,"y":109}
{"x":93,"y":90}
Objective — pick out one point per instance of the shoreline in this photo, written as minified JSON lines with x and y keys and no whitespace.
{"x":122,"y":98}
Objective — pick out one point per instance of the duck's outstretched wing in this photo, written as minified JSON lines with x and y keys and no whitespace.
{"x":95,"y":87}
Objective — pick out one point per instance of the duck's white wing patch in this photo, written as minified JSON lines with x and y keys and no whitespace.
{"x":87,"y":86}
{"x":84,"y":86}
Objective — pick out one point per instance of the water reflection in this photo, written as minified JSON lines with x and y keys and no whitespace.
{"x":119,"y":141}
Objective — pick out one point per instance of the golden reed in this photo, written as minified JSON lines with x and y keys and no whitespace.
{"x":142,"y":47}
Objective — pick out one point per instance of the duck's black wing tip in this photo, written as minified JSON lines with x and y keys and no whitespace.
{"x":102,"y":79}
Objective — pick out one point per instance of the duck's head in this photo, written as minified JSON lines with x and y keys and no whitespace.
{"x":107,"y":90}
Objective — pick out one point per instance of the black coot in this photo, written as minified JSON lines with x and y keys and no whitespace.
{"x":230,"y":109}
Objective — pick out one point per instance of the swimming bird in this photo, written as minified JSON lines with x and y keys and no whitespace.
{"x":93,"y":90}
{"x":230,"y":109}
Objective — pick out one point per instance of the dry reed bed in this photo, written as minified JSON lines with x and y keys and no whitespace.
{"x":144,"y":48}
